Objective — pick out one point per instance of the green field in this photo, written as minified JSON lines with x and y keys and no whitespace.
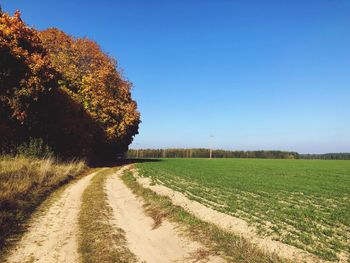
{"x":304,"y":203}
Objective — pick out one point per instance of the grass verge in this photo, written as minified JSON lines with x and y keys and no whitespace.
{"x":100,"y":241}
{"x":229,"y":246}
{"x":24,"y":184}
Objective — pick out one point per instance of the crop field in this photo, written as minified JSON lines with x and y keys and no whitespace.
{"x":304,"y":203}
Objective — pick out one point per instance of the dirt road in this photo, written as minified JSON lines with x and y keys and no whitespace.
{"x":52,"y":235}
{"x":163,"y":244}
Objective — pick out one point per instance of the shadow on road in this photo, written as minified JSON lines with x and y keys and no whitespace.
{"x":120,"y":162}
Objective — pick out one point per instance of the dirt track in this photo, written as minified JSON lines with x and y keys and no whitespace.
{"x":52,"y":237}
{"x":163,"y":244}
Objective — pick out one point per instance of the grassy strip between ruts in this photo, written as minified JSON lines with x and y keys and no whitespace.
{"x":100,"y":241}
{"x":229,"y":246}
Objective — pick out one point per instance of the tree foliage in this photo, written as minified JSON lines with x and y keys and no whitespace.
{"x":91,"y":79}
{"x":26,"y":77}
{"x":26,"y":74}
{"x":327,"y":156}
{"x":63,"y":90}
{"x":205,"y":153}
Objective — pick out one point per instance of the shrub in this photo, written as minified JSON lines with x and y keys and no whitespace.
{"x":35,"y":148}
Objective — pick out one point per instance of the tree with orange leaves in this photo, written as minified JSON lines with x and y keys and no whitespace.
{"x":92,"y":79}
{"x":63,"y":90}
{"x":26,"y":76}
{"x":25,"y":70}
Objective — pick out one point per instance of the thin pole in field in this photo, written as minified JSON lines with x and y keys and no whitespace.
{"x":211,"y":146}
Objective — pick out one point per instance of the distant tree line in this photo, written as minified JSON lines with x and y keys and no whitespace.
{"x":61,"y":92}
{"x":327,"y":156}
{"x":204,"y":153}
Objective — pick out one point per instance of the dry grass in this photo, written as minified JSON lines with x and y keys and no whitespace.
{"x":24,"y":184}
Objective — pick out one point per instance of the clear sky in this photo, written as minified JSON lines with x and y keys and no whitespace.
{"x":254,"y":74}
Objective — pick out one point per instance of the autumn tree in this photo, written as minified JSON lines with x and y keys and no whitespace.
{"x":92,"y":80}
{"x":26,"y":77}
{"x":63,"y":90}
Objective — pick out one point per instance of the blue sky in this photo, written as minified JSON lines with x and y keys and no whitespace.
{"x":255,"y":74}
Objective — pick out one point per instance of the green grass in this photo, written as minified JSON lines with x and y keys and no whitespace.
{"x":304,"y":203}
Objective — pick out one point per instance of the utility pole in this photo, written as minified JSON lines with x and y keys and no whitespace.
{"x":137,"y":150}
{"x":211,"y":146}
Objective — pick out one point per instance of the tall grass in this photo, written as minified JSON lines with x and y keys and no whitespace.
{"x":24,"y":183}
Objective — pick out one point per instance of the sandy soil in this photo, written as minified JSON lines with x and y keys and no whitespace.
{"x":229,"y":223}
{"x":163,"y":244}
{"x":52,"y":237}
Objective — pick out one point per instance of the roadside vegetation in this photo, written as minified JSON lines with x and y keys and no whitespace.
{"x":25,"y":182}
{"x":99,"y":240}
{"x":298,"y":202}
{"x":229,"y":246}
